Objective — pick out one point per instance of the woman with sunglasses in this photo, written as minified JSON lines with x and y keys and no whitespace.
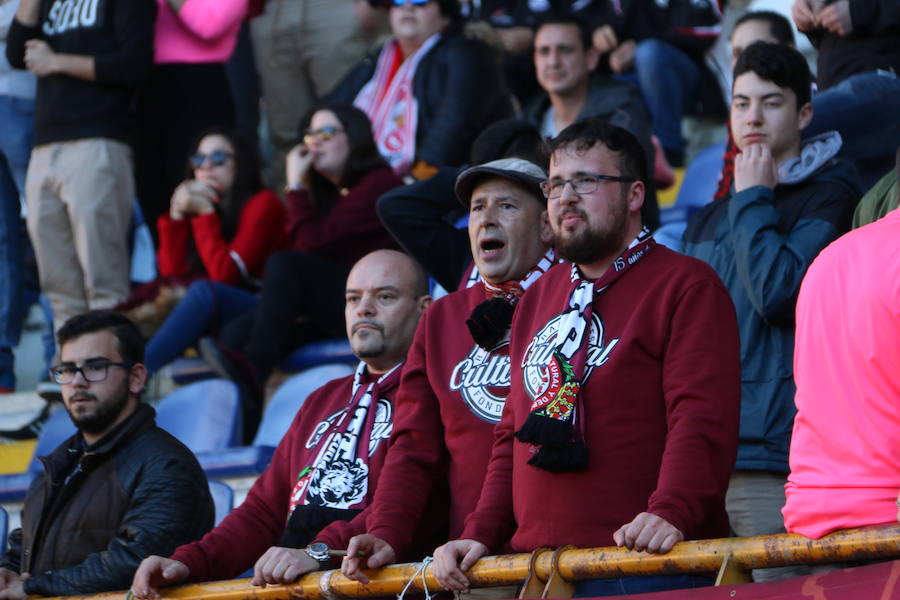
{"x":222,"y":223}
{"x":429,"y":90}
{"x":221,"y":227}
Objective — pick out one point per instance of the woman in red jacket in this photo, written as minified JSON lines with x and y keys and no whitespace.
{"x":221,"y":227}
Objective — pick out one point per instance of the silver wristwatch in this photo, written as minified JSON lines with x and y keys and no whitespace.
{"x":319,"y":552}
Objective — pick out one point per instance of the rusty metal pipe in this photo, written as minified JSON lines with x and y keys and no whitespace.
{"x":697,"y":556}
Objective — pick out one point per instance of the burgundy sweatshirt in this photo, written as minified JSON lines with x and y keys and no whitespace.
{"x":351,"y":228}
{"x":660,"y":411}
{"x":451,"y":395}
{"x":253,"y":527}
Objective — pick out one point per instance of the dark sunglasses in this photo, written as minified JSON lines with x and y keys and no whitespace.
{"x":323,"y":134}
{"x":217,"y":158}
{"x":413,"y":2}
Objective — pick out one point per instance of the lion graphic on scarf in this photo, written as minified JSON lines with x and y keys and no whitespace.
{"x":340,"y":483}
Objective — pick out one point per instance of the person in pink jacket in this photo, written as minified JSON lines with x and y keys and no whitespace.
{"x":187,"y":92}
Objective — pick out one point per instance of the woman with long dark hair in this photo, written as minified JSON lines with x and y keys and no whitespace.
{"x":222,"y":223}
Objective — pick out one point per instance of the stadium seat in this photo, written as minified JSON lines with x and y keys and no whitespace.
{"x":4,"y":528}
{"x":57,"y":429}
{"x":205,"y":416}
{"x":252,"y":460}
{"x":318,"y":353}
{"x":697,"y":189}
{"x":223,"y":499}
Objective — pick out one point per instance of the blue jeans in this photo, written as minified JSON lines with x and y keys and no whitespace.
{"x":668,"y":78}
{"x":205,"y":308}
{"x":865,"y":110}
{"x":17,"y":117}
{"x":621,"y":586}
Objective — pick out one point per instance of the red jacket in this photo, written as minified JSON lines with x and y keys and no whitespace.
{"x":260,"y":232}
{"x":351,"y":229}
{"x":660,"y":412}
{"x":253,"y":527}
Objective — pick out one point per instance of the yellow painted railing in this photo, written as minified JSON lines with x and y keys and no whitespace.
{"x":550,"y":573}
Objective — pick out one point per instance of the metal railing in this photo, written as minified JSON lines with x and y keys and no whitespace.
{"x":548,"y":573}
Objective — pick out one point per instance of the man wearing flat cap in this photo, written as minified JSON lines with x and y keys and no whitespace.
{"x":458,"y":372}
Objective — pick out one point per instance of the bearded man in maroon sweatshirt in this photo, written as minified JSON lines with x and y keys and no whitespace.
{"x":622,"y":420}
{"x":456,"y":378}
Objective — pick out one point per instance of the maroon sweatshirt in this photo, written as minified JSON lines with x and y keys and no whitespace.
{"x":351,"y":228}
{"x":451,"y":395}
{"x":660,"y":411}
{"x":253,"y":527}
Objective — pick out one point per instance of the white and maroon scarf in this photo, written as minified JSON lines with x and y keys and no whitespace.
{"x":391,"y":105}
{"x":338,"y":477}
{"x":551,"y":422}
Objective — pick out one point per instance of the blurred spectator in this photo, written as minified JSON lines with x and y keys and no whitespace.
{"x":222,"y":225}
{"x":424,"y":216}
{"x":187,"y":92}
{"x":17,"y":115}
{"x":845,"y":470}
{"x":326,"y":468}
{"x":859,"y":60}
{"x":878,"y":201}
{"x":428,"y":91}
{"x":790,"y":200}
{"x":334,"y":175}
{"x":660,"y":46}
{"x":80,"y":185}
{"x":564,"y":60}
{"x":302,"y":49}
{"x":755,"y":26}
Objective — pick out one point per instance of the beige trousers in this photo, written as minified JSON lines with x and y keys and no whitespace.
{"x":303,"y":48}
{"x":80,"y":196}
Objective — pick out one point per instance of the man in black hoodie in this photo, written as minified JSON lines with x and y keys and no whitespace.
{"x":89,"y":56}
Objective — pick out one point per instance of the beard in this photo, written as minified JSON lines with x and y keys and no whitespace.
{"x":104,"y":413}
{"x":593,"y":242}
{"x":369,"y":343}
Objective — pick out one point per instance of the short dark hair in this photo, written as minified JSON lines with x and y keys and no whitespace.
{"x":130,"y":341}
{"x":586,"y":133}
{"x":509,"y":138}
{"x":556,"y":17}
{"x":782,"y":65}
{"x":779,"y":26}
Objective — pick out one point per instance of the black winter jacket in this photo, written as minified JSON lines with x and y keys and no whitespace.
{"x":137,"y":492}
{"x":459,"y":89}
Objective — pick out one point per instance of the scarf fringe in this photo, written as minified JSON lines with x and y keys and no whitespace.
{"x":558,"y":459}
{"x":544,"y":430}
{"x":490,"y":321}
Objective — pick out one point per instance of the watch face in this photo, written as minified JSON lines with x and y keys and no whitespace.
{"x":319,"y":548}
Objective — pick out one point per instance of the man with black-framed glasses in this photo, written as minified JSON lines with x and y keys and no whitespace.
{"x":118,"y":490}
{"x":625,"y":388}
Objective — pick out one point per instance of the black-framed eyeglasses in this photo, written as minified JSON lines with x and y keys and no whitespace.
{"x":581,"y":184}
{"x":92,"y":371}
{"x":217,"y":158}
{"x":413,"y":2}
{"x":323,"y":134}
